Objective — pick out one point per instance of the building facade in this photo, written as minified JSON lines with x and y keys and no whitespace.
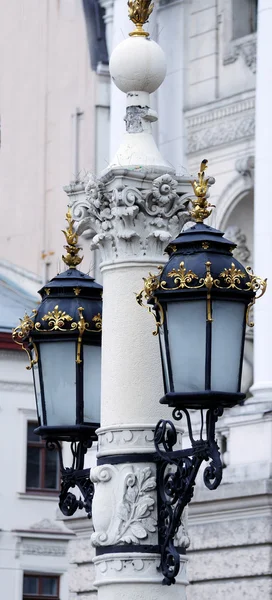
{"x":54,"y":113}
{"x":206,"y":108}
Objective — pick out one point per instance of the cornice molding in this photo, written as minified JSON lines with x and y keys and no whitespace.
{"x":16,"y":386}
{"x":133,"y":568}
{"x":44,"y":548}
{"x":224,"y":123}
{"x":128,"y":439}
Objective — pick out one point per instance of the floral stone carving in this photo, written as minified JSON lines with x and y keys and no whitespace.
{"x":127,"y":514}
{"x":131,"y":221}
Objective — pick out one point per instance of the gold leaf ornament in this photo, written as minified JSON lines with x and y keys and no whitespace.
{"x":139,"y":12}
{"x":182,"y":277}
{"x":201,"y":206}
{"x":71,"y":259}
{"x":56,"y":319}
{"x":151,"y":284}
{"x":232,"y":277}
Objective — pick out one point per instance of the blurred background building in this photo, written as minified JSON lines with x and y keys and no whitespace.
{"x":61,"y":117}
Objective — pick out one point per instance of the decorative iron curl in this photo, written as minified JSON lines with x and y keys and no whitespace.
{"x":74,"y":476}
{"x":176,"y":476}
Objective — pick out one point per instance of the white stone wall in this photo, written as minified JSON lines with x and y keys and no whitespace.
{"x":30,"y":538}
{"x":45,"y":76}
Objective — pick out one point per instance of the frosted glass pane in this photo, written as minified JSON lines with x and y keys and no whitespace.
{"x":92,"y":383}
{"x":38,"y":393}
{"x":164,"y":359}
{"x":59,"y":380}
{"x":227,"y":332}
{"x":187,"y":343}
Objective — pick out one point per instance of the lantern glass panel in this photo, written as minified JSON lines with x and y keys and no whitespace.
{"x":91,"y":383}
{"x":186,"y":323}
{"x":37,"y":388}
{"x":59,"y":382}
{"x":227,"y":344}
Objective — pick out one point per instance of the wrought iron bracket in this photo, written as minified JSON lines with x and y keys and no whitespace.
{"x":74,"y":476}
{"x":176,"y":475}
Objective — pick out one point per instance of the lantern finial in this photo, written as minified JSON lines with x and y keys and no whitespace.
{"x":139,"y":12}
{"x":201,"y":205}
{"x":71,"y":259}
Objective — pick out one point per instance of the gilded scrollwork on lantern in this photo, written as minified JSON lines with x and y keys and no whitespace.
{"x":21,"y":332}
{"x":56,"y":320}
{"x":97,"y":319}
{"x":229,"y":278}
{"x":151,"y":284}
{"x":181,"y":276}
{"x":76,"y":291}
{"x":256,"y":284}
{"x":232,"y":277}
{"x":24,"y":328}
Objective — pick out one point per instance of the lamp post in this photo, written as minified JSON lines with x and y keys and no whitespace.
{"x":142,"y":483}
{"x":62,"y":338}
{"x":201,"y":301}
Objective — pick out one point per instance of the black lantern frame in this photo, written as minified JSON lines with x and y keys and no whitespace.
{"x":202,"y":269}
{"x":201,"y":275}
{"x":70,"y":312}
{"x":62,"y":337}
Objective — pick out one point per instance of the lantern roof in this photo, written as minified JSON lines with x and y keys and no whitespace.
{"x":71,"y":281}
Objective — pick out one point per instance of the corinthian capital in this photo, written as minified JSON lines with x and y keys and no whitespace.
{"x":131,"y":214}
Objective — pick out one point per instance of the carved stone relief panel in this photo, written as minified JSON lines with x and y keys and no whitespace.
{"x":125,"y":504}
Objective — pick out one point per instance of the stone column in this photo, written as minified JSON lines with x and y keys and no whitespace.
{"x":262,"y":388}
{"x":135,"y":208}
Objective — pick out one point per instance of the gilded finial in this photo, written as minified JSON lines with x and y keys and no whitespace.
{"x":201,"y":205}
{"x":71,"y":259}
{"x":139,"y":12}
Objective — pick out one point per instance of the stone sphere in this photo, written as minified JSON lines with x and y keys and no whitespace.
{"x":138,"y":64}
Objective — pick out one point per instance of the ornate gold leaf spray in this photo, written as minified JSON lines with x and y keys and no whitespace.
{"x":200,"y":210}
{"x":151,"y":284}
{"x":71,"y":259}
{"x":56,"y":319}
{"x":139,"y":12}
{"x":21,"y":332}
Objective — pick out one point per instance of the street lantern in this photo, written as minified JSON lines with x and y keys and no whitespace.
{"x":201,"y":300}
{"x":63,"y":340}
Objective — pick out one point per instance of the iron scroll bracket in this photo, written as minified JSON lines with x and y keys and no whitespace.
{"x":74,"y":476}
{"x":176,"y":477}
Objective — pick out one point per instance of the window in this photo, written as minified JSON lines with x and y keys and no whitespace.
{"x":42,"y":470}
{"x":40,"y":587}
{"x":244,"y":17}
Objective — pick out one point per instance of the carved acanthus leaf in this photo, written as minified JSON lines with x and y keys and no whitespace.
{"x":131,"y":494}
{"x":135,"y":509}
{"x":128,"y":220}
{"x":236,"y":235}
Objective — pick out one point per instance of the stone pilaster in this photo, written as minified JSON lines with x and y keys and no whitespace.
{"x":262,"y":388}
